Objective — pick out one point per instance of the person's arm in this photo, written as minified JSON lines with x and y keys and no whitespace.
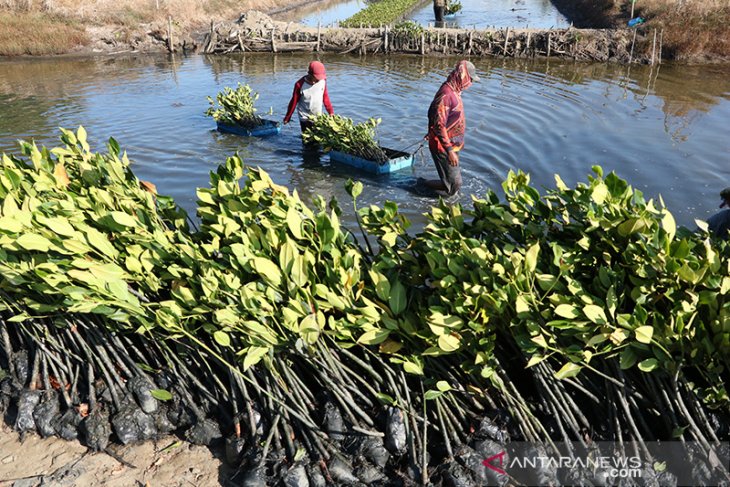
{"x":326,"y":101}
{"x":443,"y":110}
{"x":293,"y":102}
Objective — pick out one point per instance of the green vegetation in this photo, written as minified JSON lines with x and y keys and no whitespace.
{"x":379,"y":13}
{"x":235,"y":107}
{"x":408,"y":28}
{"x":334,"y":132}
{"x":453,"y":7}
{"x":587,"y":301}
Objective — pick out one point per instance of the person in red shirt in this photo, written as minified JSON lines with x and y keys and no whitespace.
{"x":446,"y":127}
{"x":310,"y":92}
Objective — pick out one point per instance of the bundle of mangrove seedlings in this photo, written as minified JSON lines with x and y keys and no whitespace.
{"x":579,"y":316}
{"x":338,"y":133}
{"x":235,"y":107}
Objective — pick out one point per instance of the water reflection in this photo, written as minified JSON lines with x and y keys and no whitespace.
{"x":664,"y":129}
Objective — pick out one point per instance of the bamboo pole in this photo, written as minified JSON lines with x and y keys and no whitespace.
{"x":653,"y":49}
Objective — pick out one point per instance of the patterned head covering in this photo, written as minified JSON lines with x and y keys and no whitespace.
{"x":459,"y":79}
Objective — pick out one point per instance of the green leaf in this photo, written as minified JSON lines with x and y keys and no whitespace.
{"x":267,"y":270}
{"x":567,"y":311}
{"x":568,"y":370}
{"x":431,"y":394}
{"x":101,"y":243}
{"x":354,"y":189}
{"x":521,"y":305}
{"x":531,"y":257}
{"x":33,"y":241}
{"x":385,"y":398}
{"x":397,"y":299}
{"x":644,"y":333}
{"x":648,"y":365}
{"x":294,"y":222}
{"x":534,"y":360}
{"x":443,"y":386}
{"x":161,"y":394}
{"x":222,"y":338}
{"x":373,"y":337}
{"x":669,"y":225}
{"x":599,"y":194}
{"x":413,"y":368}
{"x":254,"y":356}
{"x":10,"y":225}
{"x":309,"y":329}
{"x":123,"y":219}
{"x":449,"y":342}
{"x":595,"y":314}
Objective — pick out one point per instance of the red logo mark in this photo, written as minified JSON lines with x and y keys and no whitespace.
{"x":488,"y":462}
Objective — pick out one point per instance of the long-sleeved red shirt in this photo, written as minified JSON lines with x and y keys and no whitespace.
{"x":306,"y":111}
{"x":446,"y":120}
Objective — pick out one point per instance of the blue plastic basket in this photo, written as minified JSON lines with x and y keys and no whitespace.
{"x":269,"y":127}
{"x":396,"y":160}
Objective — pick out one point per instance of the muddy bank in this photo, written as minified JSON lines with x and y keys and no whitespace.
{"x":52,"y":461}
{"x":256,"y":32}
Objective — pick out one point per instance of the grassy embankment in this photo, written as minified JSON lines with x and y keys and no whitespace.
{"x":59,"y":26}
{"x":37,"y":33}
{"x":693,"y":29}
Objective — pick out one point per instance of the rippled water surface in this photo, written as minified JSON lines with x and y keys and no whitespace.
{"x":665,"y":130}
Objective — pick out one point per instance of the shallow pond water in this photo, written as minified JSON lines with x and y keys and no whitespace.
{"x":664,"y":129}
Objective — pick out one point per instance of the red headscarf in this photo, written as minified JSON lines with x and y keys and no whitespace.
{"x":459,"y":79}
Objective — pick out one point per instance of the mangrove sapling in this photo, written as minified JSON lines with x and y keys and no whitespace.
{"x":235,"y":107}
{"x":335,"y":132}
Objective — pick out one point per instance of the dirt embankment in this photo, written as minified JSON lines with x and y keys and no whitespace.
{"x":690,"y":31}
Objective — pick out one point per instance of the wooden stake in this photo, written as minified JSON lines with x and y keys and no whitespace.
{"x":528,"y":43}
{"x":386,"y":39}
{"x":631,"y":54}
{"x":319,"y":34}
{"x":653,"y":48}
{"x":170,"y":43}
{"x":470,"y":42}
{"x":549,"y":39}
{"x":273,"y":41}
{"x":423,"y":43}
{"x":506,"y":39}
{"x":661,"y":37}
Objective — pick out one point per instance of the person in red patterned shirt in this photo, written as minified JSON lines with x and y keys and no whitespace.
{"x":310,"y":92}
{"x":446,"y":127}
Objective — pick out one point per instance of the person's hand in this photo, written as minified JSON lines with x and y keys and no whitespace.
{"x":453,"y":158}
{"x":286,"y":121}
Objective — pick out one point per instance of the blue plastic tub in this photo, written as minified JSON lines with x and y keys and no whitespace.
{"x":449,"y":16}
{"x":269,"y":127}
{"x":397,"y":160}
